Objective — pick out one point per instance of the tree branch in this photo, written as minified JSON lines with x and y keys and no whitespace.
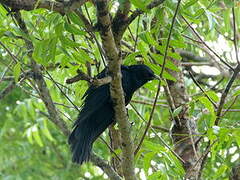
{"x":93,"y":81}
{"x":116,"y":90}
{"x":50,"y":5}
{"x":225,"y":93}
{"x":120,"y":24}
{"x":138,"y":12}
{"x":204,"y":43}
{"x":105,"y":167}
{"x":159,"y":84}
{"x":7,"y":90}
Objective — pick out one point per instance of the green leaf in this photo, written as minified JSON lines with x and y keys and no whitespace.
{"x":213,"y":96}
{"x":207,"y":104}
{"x":19,"y":32}
{"x":192,"y":107}
{"x":3,"y":11}
{"x":85,"y":55}
{"x":177,"y":163}
{"x":210,"y":19}
{"x":82,"y":57}
{"x":147,"y":161}
{"x":36,"y":135}
{"x":229,"y":3}
{"x":144,"y":49}
{"x":152,"y":85}
{"x":52,"y":49}
{"x":141,"y":4}
{"x":45,"y":50}
{"x":131,"y":58}
{"x":9,"y":34}
{"x":30,"y":108}
{"x":177,"y":111}
{"x":17,"y":71}
{"x":153,"y":146}
{"x":72,"y":29}
{"x":221,"y":170}
{"x":227,"y":20}
{"x":199,"y":12}
{"x":75,"y":19}
{"x":178,"y":44}
{"x":59,"y":29}
{"x":66,"y":42}
{"x":46,"y":131}
{"x":174,"y":55}
{"x":147,"y":38}
{"x":156,"y":69}
{"x":236,"y":93}
{"x":169,"y":64}
{"x":53,"y":19}
{"x":189,"y":3}
{"x":157,"y":175}
{"x":38,"y":51}
{"x":168,"y":76}
{"x":236,"y":133}
{"x":29,"y":135}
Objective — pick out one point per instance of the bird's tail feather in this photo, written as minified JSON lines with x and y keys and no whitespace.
{"x":86,"y":132}
{"x":81,"y":144}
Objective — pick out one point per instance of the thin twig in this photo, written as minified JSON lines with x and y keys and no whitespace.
{"x":136,"y":39}
{"x":146,"y":103}
{"x":159,"y":137}
{"x":205,"y":44}
{"x":105,"y":167}
{"x":54,"y":82}
{"x":199,"y":86}
{"x":110,"y":148}
{"x":229,"y":108}
{"x":235,"y":41}
{"x":203,"y":156}
{"x":225,"y":93}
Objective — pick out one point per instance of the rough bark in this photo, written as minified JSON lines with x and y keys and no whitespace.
{"x":114,"y":64}
{"x":185,"y":144}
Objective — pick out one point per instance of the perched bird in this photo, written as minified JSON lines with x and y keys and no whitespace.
{"x":97,"y":111}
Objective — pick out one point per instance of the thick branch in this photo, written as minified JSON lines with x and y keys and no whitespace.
{"x":105,"y":167}
{"x":116,"y":90}
{"x":121,"y":22}
{"x":93,"y":81}
{"x":191,"y":56}
{"x":119,"y":19}
{"x":42,"y":86}
{"x":50,"y":5}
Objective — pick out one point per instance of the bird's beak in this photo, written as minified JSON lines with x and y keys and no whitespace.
{"x":156,"y":77}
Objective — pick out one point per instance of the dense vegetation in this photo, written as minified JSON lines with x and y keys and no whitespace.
{"x":194,"y":49}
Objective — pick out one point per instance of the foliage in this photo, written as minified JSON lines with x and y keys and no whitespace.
{"x":31,"y":147}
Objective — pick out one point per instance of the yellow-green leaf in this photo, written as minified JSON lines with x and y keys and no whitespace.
{"x":17,"y":71}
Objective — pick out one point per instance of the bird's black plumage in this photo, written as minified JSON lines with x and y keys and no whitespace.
{"x":97,"y":111}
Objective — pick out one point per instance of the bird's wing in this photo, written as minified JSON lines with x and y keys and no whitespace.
{"x":87,"y":131}
{"x":94,"y":101}
{"x":92,"y":88}
{"x":96,"y":97}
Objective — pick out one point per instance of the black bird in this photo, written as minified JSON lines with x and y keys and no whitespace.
{"x":97,"y":111}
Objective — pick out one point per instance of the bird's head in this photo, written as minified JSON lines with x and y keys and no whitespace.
{"x":143,"y":73}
